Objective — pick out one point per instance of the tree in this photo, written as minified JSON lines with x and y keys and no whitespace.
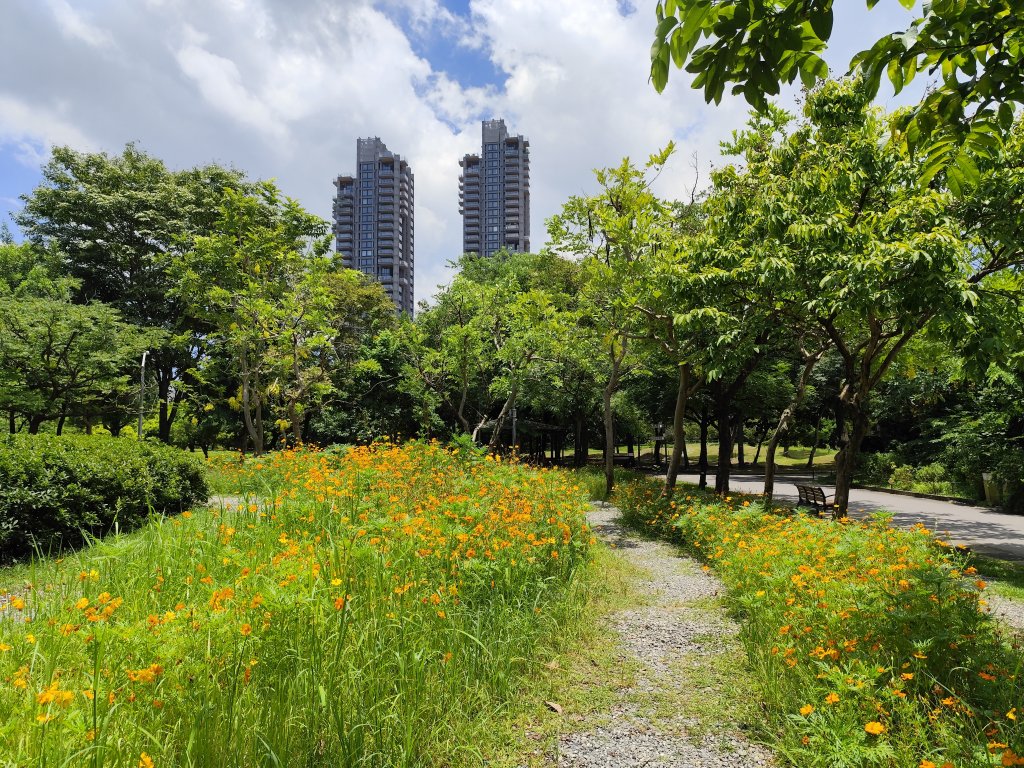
{"x":975,"y":47}
{"x":116,"y":222}
{"x":57,"y":360}
{"x":61,"y":360}
{"x":864,"y":256}
{"x":620,"y":232}
{"x":259,"y":284}
{"x":452,"y":362}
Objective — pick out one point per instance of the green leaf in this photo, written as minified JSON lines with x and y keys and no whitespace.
{"x":667,"y":25}
{"x":895,"y":75}
{"x":1005,"y":116}
{"x":659,"y":73}
{"x":821,"y":22}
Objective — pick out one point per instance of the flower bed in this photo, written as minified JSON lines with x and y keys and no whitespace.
{"x":370,"y":608}
{"x":867,"y":641}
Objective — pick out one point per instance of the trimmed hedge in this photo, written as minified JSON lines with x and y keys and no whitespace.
{"x":54,"y":491}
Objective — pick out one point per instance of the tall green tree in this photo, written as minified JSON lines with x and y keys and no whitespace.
{"x":60,"y":360}
{"x":856,"y":251}
{"x":117,"y":221}
{"x":259,"y":285}
{"x":620,"y":232}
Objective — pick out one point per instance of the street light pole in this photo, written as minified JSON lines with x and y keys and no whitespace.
{"x":142,"y":389}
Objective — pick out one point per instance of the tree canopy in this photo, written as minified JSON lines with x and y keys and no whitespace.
{"x":973,"y":51}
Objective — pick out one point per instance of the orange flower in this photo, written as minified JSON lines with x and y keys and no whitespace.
{"x":832,"y":698}
{"x":806,"y":709}
{"x":874,"y":728}
{"x":145,"y":761}
{"x":246,"y":629}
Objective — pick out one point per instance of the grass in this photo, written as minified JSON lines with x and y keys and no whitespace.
{"x":381,"y":608}
{"x":583,"y":674}
{"x":795,"y":458}
{"x":866,"y":642}
{"x":1005,"y":579}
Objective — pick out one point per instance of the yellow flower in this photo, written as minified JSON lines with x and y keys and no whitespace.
{"x":246,"y":629}
{"x":1012,"y":714}
{"x":832,"y":698}
{"x":145,"y":761}
{"x":874,"y":728}
{"x":806,"y":709}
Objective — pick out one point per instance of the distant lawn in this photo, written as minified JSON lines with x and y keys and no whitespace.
{"x":1006,"y":579}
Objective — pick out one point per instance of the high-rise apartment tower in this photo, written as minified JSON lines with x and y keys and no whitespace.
{"x":373,"y":220}
{"x":494,"y":193}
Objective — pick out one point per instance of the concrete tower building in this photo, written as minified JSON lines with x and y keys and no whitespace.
{"x":373,"y":220}
{"x":494,"y":193}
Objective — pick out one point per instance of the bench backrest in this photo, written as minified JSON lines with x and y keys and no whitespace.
{"x":811,"y":494}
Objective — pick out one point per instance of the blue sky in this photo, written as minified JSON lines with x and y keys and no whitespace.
{"x":282,"y":88}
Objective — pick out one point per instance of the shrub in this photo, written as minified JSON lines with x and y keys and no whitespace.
{"x":876,"y":468}
{"x":56,"y":491}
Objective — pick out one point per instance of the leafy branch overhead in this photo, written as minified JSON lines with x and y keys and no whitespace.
{"x":972,"y":51}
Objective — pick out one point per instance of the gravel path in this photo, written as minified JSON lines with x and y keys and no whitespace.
{"x":682,"y":625}
{"x":1010,"y":612}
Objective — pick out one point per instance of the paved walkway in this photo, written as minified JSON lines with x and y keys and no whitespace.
{"x":980,"y":528}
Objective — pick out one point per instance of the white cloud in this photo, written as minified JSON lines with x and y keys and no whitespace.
{"x":220,"y":83}
{"x":73,"y":25}
{"x":282,"y":89}
{"x":29,"y":130}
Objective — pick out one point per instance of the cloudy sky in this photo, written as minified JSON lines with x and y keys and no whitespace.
{"x":282,"y":89}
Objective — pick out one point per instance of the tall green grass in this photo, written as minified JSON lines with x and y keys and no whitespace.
{"x":366,"y":610}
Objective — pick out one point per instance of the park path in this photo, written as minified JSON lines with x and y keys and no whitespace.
{"x":680,"y":632}
{"x":983,"y":529}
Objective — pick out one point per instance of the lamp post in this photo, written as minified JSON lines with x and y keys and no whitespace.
{"x":142,"y":389}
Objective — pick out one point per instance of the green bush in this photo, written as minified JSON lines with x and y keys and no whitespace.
{"x":876,"y":468}
{"x":56,"y":491}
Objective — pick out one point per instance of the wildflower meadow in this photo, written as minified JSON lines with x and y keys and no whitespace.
{"x":869,"y":644}
{"x":374,"y":606}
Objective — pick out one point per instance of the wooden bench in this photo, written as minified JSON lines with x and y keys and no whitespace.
{"x":814,"y":496}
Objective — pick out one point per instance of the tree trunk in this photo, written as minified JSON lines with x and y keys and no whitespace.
{"x":34,"y":422}
{"x":740,"y":460}
{"x":12,"y":421}
{"x":163,"y":383}
{"x":702,"y":461}
{"x":60,"y":423}
{"x":254,"y":428}
{"x":722,"y":414}
{"x":760,"y":443}
{"x":296,"y":422}
{"x":579,"y":458}
{"x":609,"y":439}
{"x":852,"y":435}
{"x":784,"y":421}
{"x":460,"y":412}
{"x":617,"y":356}
{"x":814,"y":445}
{"x":499,"y":423}
{"x":678,"y":430}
